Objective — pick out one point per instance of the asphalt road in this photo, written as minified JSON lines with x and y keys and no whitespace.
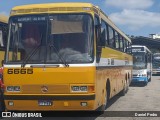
{"x":145,"y":99}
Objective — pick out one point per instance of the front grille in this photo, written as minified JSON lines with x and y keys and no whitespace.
{"x":134,"y":75}
{"x":52,"y":89}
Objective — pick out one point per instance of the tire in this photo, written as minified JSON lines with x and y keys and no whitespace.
{"x":149,"y":80}
{"x":145,"y":83}
{"x":125,"y":89}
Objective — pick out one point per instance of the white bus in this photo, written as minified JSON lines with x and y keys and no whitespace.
{"x":156,"y":64}
{"x":142,"y":64}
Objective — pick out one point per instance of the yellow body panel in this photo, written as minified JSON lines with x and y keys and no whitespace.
{"x":61,"y":75}
{"x":58,"y":81}
{"x":112,"y":53}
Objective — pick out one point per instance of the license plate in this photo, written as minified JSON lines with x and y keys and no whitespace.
{"x":45,"y":103}
{"x":141,"y":80}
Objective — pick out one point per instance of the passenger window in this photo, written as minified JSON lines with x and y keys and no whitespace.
{"x":125,"y":44}
{"x":111,"y":37}
{"x":1,"y":39}
{"x":116,"y":39}
{"x":121,"y":42}
{"x":104,"y":28}
{"x":129,"y":46}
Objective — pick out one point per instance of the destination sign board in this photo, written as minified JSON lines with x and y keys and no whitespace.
{"x":137,"y":49}
{"x":30,"y":19}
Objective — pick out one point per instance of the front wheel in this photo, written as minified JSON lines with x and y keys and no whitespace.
{"x":149,"y":80}
{"x":103,"y":106}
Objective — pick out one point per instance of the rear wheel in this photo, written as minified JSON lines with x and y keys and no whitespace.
{"x":125,"y":89}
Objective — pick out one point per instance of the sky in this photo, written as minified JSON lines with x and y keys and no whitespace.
{"x":133,"y":17}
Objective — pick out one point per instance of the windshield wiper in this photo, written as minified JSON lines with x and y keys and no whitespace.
{"x":30,"y":55}
{"x":64,"y":62}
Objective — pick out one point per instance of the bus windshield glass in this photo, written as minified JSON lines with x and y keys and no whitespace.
{"x":156,"y":60}
{"x":51,"y":38}
{"x":156,"y":57}
{"x":139,"y":61}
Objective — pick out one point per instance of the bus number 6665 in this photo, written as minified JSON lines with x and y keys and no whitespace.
{"x":20,"y":71}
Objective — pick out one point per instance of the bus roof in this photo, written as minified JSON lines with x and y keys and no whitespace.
{"x":3,"y":18}
{"x":51,"y":5}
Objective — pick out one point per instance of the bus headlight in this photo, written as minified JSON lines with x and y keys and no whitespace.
{"x":16,"y":88}
{"x":10,"y":88}
{"x":75,"y":88}
{"x":83,"y":88}
{"x":13,"y":88}
{"x":79,"y":88}
{"x":144,"y":75}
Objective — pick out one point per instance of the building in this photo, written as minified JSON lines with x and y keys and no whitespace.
{"x":154,"y":36}
{"x":152,"y":43}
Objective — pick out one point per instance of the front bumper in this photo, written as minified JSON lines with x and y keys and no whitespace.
{"x":140,"y":79}
{"x":60,"y":103}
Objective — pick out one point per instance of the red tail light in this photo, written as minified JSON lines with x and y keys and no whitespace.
{"x":1,"y":84}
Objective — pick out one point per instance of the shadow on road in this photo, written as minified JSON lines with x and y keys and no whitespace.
{"x":113,"y":100}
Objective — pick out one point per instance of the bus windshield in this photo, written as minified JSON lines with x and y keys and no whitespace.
{"x":51,"y":38}
{"x":156,"y":56}
{"x":139,"y":61}
{"x":156,"y":60}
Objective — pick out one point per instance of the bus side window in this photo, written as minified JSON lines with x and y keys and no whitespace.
{"x":125,"y":44}
{"x":121,"y":42}
{"x":129,"y":45}
{"x":1,"y":39}
{"x":104,"y":28}
{"x":3,"y":34}
{"x":116,"y":39}
{"x":111,"y":37}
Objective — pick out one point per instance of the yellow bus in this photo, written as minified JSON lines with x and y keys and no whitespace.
{"x":3,"y":40}
{"x":3,"y":35}
{"x":73,"y":57}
